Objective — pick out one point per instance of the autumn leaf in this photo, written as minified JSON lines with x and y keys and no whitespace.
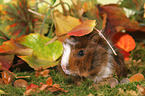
{"x":6,"y":61}
{"x":11,"y":47}
{"x":63,"y":24}
{"x":20,"y":83}
{"x":125,"y":55}
{"x":117,"y":20}
{"x":136,"y":77}
{"x":31,"y":86}
{"x":124,"y":41}
{"x":85,"y":28}
{"x":41,"y":72}
{"x":49,"y":81}
{"x":31,"y":89}
{"x":31,"y":48}
{"x":7,"y":78}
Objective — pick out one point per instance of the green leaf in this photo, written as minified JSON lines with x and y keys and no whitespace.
{"x":52,"y":1}
{"x":43,"y":55}
{"x":134,"y":5}
{"x":2,"y":39}
{"x":36,"y":62}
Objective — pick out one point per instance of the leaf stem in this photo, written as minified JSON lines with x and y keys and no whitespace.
{"x":99,"y":32}
{"x":36,"y":13}
{"x":8,"y":38}
{"x":44,"y":20}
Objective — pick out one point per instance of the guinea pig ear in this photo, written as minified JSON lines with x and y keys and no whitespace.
{"x":120,"y":67}
{"x":72,"y":40}
{"x":94,"y":37}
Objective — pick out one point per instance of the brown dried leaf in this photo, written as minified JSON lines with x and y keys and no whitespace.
{"x":20,"y":83}
{"x":6,"y":61}
{"x":49,"y":81}
{"x":43,"y":87}
{"x":56,"y":85}
{"x":53,"y":89}
{"x":6,"y":77}
{"x":38,"y":71}
{"x":1,"y":81}
{"x":32,"y":86}
{"x":117,"y":19}
{"x":45,"y":73}
{"x":42,"y":72}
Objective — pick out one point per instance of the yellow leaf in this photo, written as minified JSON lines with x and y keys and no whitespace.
{"x":64,"y":24}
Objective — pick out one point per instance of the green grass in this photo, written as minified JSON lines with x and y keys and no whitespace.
{"x":84,"y":89}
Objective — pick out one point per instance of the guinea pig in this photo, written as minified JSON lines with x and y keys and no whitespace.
{"x":90,"y":56}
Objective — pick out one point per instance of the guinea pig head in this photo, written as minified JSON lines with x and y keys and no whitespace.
{"x":87,"y":56}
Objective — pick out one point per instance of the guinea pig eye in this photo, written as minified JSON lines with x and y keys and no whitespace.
{"x":81,"y":53}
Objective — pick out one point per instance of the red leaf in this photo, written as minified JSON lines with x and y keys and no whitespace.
{"x":13,"y":25}
{"x":124,"y":41}
{"x":125,"y":54}
{"x":83,"y":29}
{"x":31,"y":86}
{"x":11,"y":47}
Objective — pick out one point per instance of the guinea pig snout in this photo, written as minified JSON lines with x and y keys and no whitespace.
{"x":65,"y":69}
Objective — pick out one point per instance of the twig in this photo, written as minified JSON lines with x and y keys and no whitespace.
{"x":52,"y":40}
{"x":99,"y":32}
{"x":34,"y":12}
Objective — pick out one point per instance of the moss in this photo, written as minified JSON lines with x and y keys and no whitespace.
{"x":84,"y":89}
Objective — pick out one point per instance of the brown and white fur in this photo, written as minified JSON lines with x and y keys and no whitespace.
{"x":90,"y":56}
